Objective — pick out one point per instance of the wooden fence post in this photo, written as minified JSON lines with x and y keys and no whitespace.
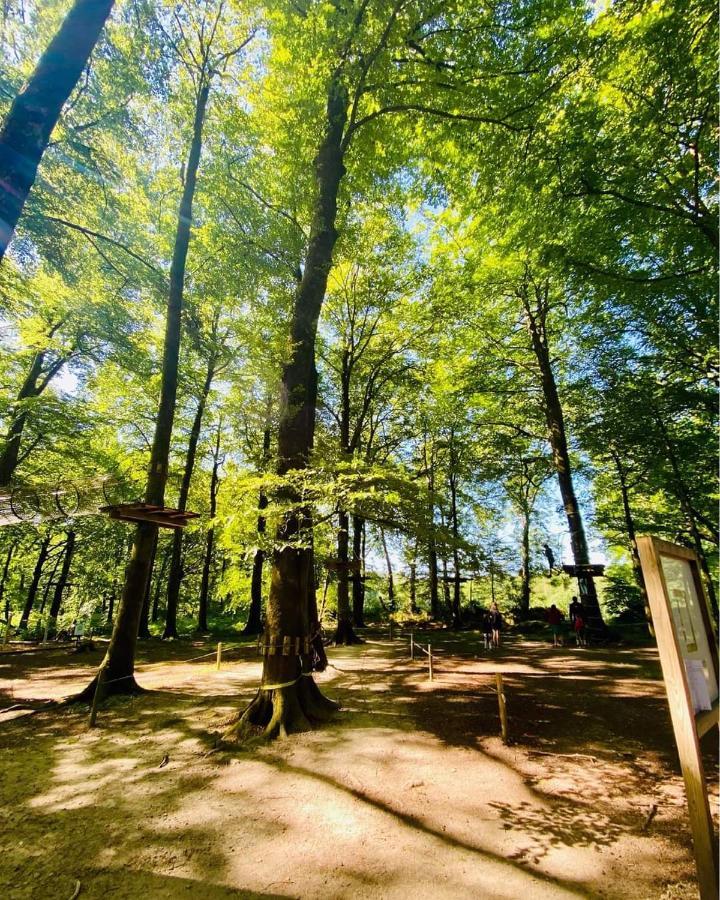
{"x":430,"y":668}
{"x":219,"y":655}
{"x":412,"y":647}
{"x":96,"y":699}
{"x":501,"y":706}
{"x":7,"y":633}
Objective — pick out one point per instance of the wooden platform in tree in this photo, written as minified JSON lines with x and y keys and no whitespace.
{"x":162,"y":516}
{"x":590,"y":570}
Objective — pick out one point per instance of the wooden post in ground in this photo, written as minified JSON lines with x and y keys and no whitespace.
{"x":47,"y":627}
{"x":7,"y":633}
{"x":219,"y":656}
{"x":430,"y":668}
{"x":412,"y":647}
{"x":501,"y":707}
{"x":96,"y":700}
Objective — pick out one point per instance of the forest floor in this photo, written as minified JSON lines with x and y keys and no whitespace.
{"x":409,"y":793}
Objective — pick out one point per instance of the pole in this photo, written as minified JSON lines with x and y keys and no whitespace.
{"x":219,"y":656}
{"x":501,"y":707}
{"x":7,"y":632}
{"x":96,"y":699}
{"x":47,"y":626}
{"x":430,"y":668}
{"x":412,"y":647}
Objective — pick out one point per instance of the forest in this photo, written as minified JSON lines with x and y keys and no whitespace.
{"x":406,"y":285}
{"x":324,"y":316}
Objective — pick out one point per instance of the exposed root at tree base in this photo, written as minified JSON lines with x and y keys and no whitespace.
{"x":110,"y":688}
{"x":281,"y":712}
{"x":345,"y":635}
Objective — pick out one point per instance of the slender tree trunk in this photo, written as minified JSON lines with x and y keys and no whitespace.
{"x":36,"y":109}
{"x":525,"y":559}
{"x":291,"y":707}
{"x":557,"y":435}
{"x":159,"y":581}
{"x":176,"y":560}
{"x":210,"y":538}
{"x":388,"y":564}
{"x":3,"y":580}
{"x":62,"y":580}
{"x":117,"y":668}
{"x":456,"y":620}
{"x":632,"y":537}
{"x":413,"y":587}
{"x":254,"y":619}
{"x":37,"y":574}
{"x":144,"y":626}
{"x":358,"y":585}
{"x":49,"y":584}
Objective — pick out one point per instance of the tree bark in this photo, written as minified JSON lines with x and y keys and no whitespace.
{"x":176,"y":568}
{"x":62,"y":580}
{"x":456,"y":620}
{"x":117,"y":668}
{"x":210,"y":538}
{"x":289,"y":699}
{"x":525,"y":561}
{"x":37,"y":574}
{"x":358,"y":569}
{"x":51,"y":578}
{"x":36,"y":109}
{"x":388,"y":564}
{"x":537,"y":326}
{"x":632,"y":537}
{"x":254,"y":619}
{"x":144,"y":626}
{"x":3,"y":579}
{"x":159,"y":580}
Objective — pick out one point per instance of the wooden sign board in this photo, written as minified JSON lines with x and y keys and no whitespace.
{"x":687,"y":646}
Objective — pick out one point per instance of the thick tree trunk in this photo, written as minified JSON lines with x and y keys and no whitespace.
{"x":176,"y":560}
{"x":358,"y":569}
{"x":525,"y":561}
{"x":144,"y":626}
{"x":36,"y":109}
{"x":117,"y":669}
{"x":254,"y":619}
{"x":557,"y":435}
{"x":288,"y":699}
{"x":56,"y":604}
{"x":37,"y":574}
{"x":50,"y":582}
{"x":210,"y":538}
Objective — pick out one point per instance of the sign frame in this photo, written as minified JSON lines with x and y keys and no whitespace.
{"x":688,"y":726}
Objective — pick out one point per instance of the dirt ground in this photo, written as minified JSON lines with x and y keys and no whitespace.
{"x":409,"y":793}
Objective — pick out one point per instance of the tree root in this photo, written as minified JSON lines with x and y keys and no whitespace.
{"x":281,"y":712}
{"x":111,"y":687}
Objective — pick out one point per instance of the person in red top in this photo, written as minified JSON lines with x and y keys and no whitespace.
{"x":555,"y":619}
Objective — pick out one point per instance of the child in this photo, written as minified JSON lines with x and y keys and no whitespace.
{"x":579,"y":626}
{"x":487,"y":630}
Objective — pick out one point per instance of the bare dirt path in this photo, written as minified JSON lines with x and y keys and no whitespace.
{"x":409,"y":793}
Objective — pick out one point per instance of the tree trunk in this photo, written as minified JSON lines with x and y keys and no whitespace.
{"x":51,"y":578}
{"x":289,"y":699}
{"x":159,"y":581}
{"x":36,"y":109}
{"x":388,"y":564}
{"x":557,"y":435}
{"x":632,"y":537}
{"x":413,"y":585}
{"x":176,"y":569}
{"x":62,"y":580}
{"x":32,"y":590}
{"x":358,"y":569}
{"x":456,"y":620}
{"x":210,"y":538}
{"x":144,"y":626}
{"x":525,"y":558}
{"x":117,"y":668}
{"x":3,"y":579}
{"x":254,"y":619}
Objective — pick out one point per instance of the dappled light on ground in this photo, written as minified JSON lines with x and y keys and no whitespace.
{"x":409,"y":790}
